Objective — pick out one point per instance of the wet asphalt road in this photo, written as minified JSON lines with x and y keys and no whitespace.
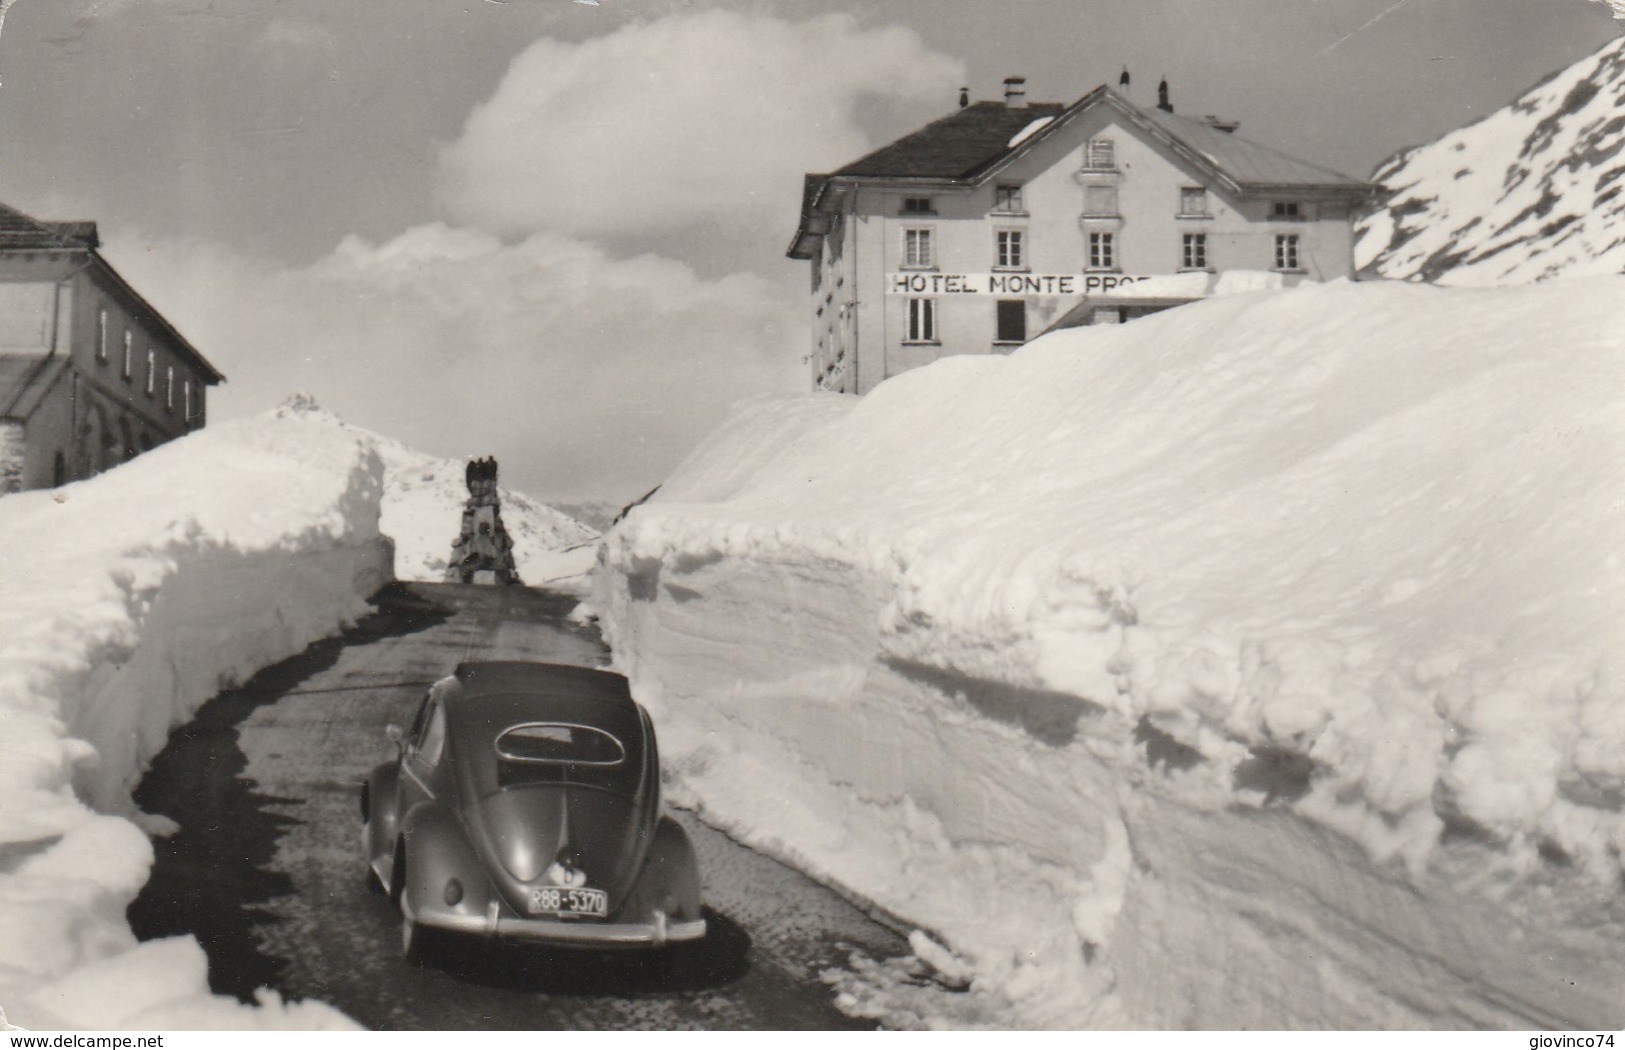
{"x":266,"y":870}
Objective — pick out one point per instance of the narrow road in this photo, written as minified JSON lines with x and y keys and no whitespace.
{"x":266,"y":869}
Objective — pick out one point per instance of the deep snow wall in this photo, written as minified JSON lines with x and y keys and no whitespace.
{"x":218,"y":615}
{"x":1246,"y":666}
{"x":1021,"y":826}
{"x":135,"y":597}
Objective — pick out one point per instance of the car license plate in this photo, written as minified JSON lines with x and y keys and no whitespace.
{"x":559,"y":900}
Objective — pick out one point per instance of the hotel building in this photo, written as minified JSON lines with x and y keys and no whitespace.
{"x":1003,"y":219}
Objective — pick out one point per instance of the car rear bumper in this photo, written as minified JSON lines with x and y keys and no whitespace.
{"x":582,"y":933}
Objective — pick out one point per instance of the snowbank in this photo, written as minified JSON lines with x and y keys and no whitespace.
{"x":1254,"y":664}
{"x":1202,"y":285}
{"x":128,"y":601}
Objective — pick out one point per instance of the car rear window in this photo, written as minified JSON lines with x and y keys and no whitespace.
{"x":559,"y":743}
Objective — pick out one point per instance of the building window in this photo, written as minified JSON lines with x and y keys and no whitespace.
{"x":1193,"y":201}
{"x":1102,"y":251}
{"x":152,"y":371}
{"x":101,"y":335}
{"x":917,"y":248}
{"x":169,"y":388}
{"x":1287,"y":210}
{"x":1010,"y":254}
{"x":129,"y":354}
{"x":1012,"y":321}
{"x":186,"y":400}
{"x":1102,"y":155}
{"x":922,"y":320}
{"x":1100,"y":202}
{"x":1195,"y":254}
{"x":1286,"y":251}
{"x":918,"y":206}
{"x":1007,"y":198}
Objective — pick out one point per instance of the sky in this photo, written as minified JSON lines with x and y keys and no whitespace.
{"x":554,"y":232}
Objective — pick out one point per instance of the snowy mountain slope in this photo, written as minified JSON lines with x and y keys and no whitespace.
{"x":1533,"y":191}
{"x":1253,"y":665}
{"x":422,"y":505}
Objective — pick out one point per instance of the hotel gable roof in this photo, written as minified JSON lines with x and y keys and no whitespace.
{"x":969,"y":147}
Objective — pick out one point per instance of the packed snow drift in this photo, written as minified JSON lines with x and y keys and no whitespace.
{"x":1534,"y":190}
{"x":131,"y":599}
{"x":1253,"y":664}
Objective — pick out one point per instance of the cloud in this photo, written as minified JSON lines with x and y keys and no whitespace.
{"x":536,"y":324}
{"x":696,"y":119}
{"x":587,"y":376}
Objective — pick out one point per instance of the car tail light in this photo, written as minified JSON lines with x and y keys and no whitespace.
{"x":454,"y":892}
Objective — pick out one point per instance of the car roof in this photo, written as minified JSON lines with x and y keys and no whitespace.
{"x":485,"y":677}
{"x":491,"y":697}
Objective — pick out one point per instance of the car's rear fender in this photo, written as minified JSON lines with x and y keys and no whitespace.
{"x":669,"y":881}
{"x":444,"y":879}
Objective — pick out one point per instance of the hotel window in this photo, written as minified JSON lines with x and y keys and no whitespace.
{"x":922,"y":320}
{"x":152,"y":371}
{"x":1193,"y":201}
{"x":1102,"y":154}
{"x":917,"y":248}
{"x":1102,"y":253}
{"x":1286,"y":251}
{"x":1010,"y":253}
{"x":101,"y":335}
{"x":1100,"y":201}
{"x":129,"y":354}
{"x":1288,"y":210}
{"x":169,"y":388}
{"x":1011,"y":321}
{"x":1007,"y":198}
{"x":1195,"y":254}
{"x":918,"y":206}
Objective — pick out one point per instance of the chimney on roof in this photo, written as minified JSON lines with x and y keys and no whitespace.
{"x":964,"y":97}
{"x":1122,"y":81}
{"x":1162,"y":97}
{"x":1015,"y":92}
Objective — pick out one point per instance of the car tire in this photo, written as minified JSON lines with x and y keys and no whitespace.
{"x":414,"y":942}
{"x":414,"y":938}
{"x":375,"y":885}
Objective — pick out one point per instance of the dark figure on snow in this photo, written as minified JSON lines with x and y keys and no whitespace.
{"x":483,"y":551}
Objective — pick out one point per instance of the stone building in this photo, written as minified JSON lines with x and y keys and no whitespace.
{"x":90,"y":374}
{"x":1003,"y":219}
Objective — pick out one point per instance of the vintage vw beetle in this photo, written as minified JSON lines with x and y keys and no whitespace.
{"x":524,"y":804}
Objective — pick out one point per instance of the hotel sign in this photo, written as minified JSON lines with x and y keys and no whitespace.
{"x":1006,"y":283}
